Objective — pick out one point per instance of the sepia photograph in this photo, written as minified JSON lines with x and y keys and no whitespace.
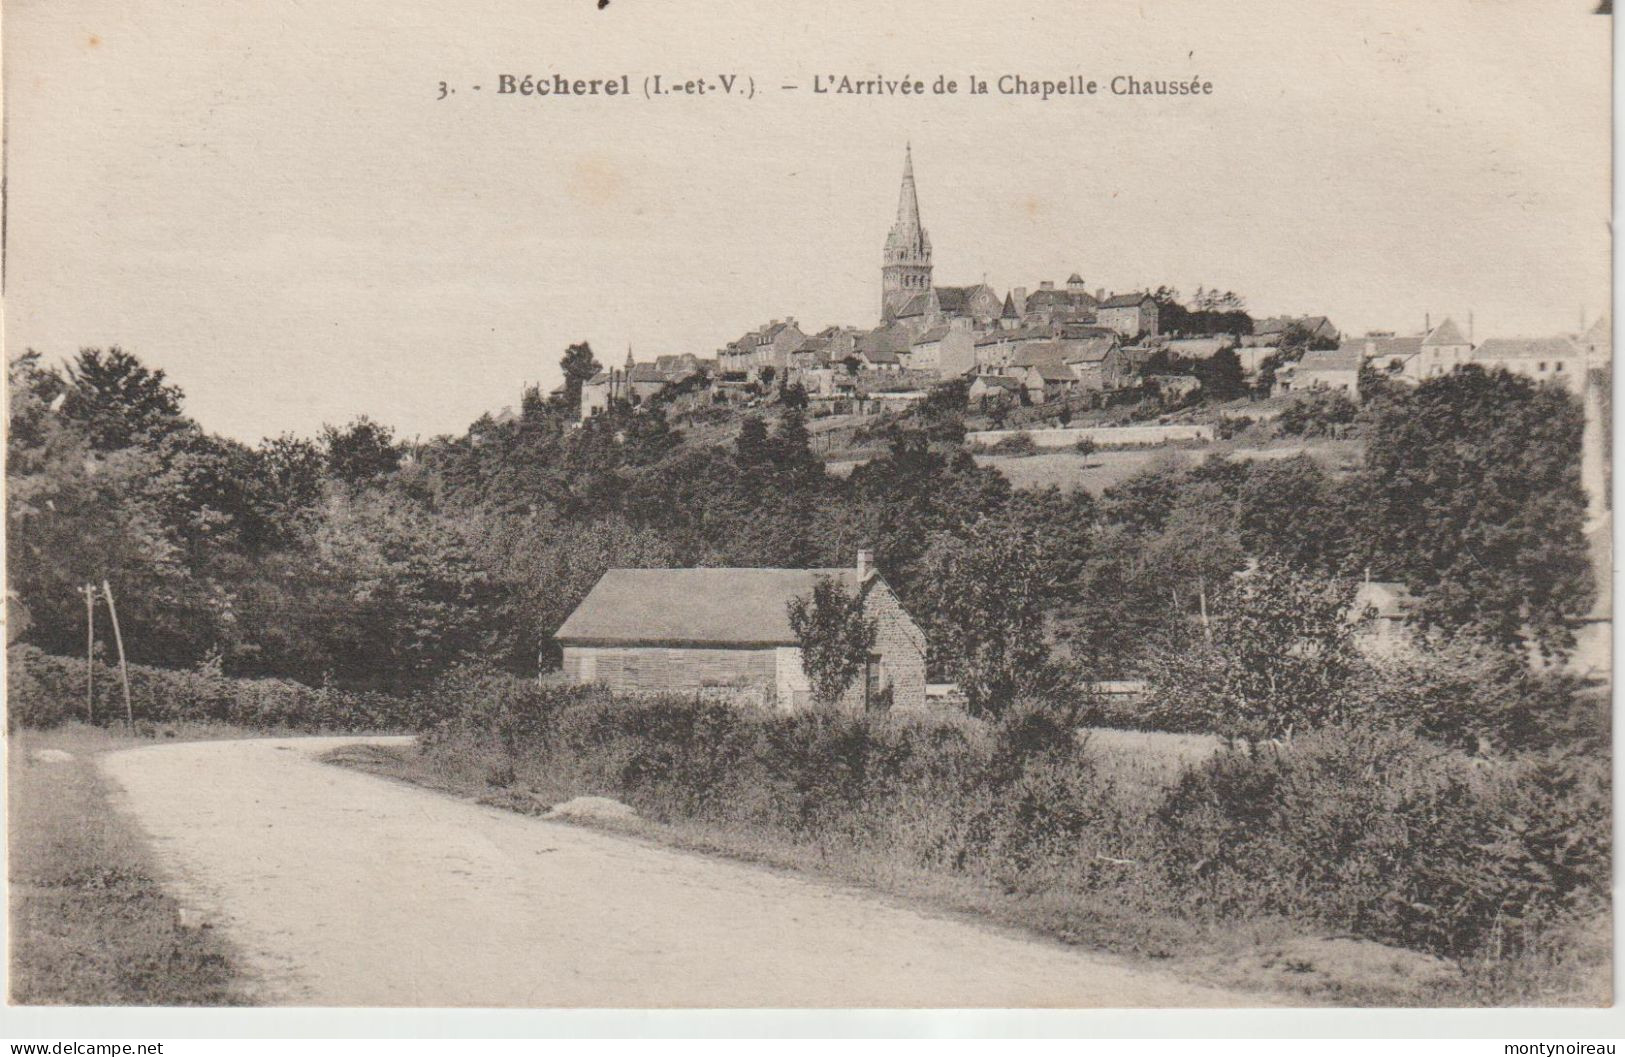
{"x":604,"y":504}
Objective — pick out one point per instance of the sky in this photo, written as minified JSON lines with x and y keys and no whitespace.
{"x":268,"y":201}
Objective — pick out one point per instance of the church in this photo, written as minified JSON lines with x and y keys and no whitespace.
{"x":907,"y":296}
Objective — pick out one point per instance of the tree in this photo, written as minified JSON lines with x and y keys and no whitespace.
{"x":1220,"y":375}
{"x":119,"y":402}
{"x":835,"y":638}
{"x":1199,"y":547}
{"x":1277,"y":657}
{"x":794,"y":397}
{"x":579,"y":366}
{"x":986,"y":612}
{"x":1472,"y":496}
{"x":361,"y":451}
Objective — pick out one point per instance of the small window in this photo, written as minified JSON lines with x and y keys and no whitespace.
{"x":1558,"y":366}
{"x":1543,"y":366}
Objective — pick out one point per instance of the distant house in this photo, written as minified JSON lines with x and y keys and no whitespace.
{"x":1050,"y":304}
{"x":1270,"y":331}
{"x":999,"y":347}
{"x":989,"y":389}
{"x":1557,"y":359}
{"x":1441,"y":351}
{"x":726,"y":633}
{"x":596,"y":393}
{"x":1199,"y":348}
{"x":1129,"y":314}
{"x":948,"y":350}
{"x":1393,"y":356}
{"x":1389,"y":606}
{"x":1100,"y":364}
{"x":1333,"y":369}
{"x":1048,"y":381}
{"x":883,"y":349}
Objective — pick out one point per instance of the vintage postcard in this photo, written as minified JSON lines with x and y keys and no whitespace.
{"x":680,"y":504}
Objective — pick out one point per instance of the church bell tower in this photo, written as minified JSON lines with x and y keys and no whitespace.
{"x":906,"y":270}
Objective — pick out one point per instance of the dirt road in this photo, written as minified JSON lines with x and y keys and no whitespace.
{"x":345,"y":889}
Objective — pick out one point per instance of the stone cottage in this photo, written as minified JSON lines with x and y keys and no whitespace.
{"x":726,"y":633}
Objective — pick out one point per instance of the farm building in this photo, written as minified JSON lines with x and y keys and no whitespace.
{"x":726,"y":632}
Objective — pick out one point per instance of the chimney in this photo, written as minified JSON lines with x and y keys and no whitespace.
{"x":1020,"y":298}
{"x":1100,"y":293}
{"x":1427,"y":322}
{"x":1469,"y":326}
{"x":866,"y":565}
{"x":1046,"y":285}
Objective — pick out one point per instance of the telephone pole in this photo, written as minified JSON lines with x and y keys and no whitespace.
{"x":89,"y":591}
{"x":123,"y":669}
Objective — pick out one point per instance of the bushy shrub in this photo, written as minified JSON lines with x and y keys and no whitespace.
{"x":1318,"y":413}
{"x":1015,"y":444}
{"x":1388,"y":836}
{"x":1356,"y":827}
{"x":44,"y":691}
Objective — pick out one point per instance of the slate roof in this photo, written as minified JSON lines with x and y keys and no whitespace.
{"x":1074,"y":279}
{"x":1000,"y":337}
{"x":1087,"y":330}
{"x":998,"y":381}
{"x":1042,"y":298}
{"x":953,"y":299}
{"x":1446,"y":333}
{"x":1384,"y":348}
{"x":1093,"y":350}
{"x":1009,"y":307}
{"x":1525,"y":349}
{"x":915,"y":306}
{"x":1055,"y":372}
{"x":1329,"y":360}
{"x":1126,"y":300}
{"x":883,"y":344}
{"x":1198,"y":348}
{"x":693,"y":607}
{"x":1040,"y":353}
{"x":936,"y":333}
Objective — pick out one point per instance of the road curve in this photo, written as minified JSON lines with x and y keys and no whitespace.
{"x":341,"y":888}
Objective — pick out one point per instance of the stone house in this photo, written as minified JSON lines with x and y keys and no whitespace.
{"x":1048,"y":381}
{"x":1050,"y":304}
{"x":1440,"y":351}
{"x":773,"y":344}
{"x":1100,"y":364}
{"x":1270,"y":331}
{"x":1334,"y":369}
{"x":726,"y":633}
{"x":948,"y":350}
{"x":1129,"y":314}
{"x":999,"y":348}
{"x":987,"y":390}
{"x":1557,"y":359}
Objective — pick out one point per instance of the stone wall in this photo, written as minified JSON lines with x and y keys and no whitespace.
{"x":1103,"y":435}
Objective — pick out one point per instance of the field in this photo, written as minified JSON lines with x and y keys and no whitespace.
{"x":1101,"y":470}
{"x":90,"y":921}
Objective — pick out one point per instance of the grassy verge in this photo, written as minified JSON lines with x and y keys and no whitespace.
{"x":1272,"y":957}
{"x":90,"y":922}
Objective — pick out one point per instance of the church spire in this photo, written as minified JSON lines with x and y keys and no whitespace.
{"x":908,"y":203}
{"x":906,"y":270}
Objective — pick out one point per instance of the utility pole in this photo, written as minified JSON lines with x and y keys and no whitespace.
{"x":89,"y":591}
{"x":123,"y":669}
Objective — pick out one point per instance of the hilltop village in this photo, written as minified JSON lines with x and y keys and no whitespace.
{"x":1065,"y":343}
